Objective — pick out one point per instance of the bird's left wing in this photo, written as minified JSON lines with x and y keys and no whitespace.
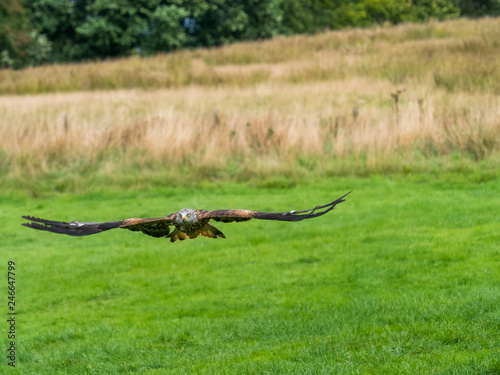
{"x":156,"y":227}
{"x":227,"y":216}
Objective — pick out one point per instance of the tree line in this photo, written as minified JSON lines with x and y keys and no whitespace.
{"x":34,"y":32}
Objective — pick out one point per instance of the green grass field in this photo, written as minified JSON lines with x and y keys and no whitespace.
{"x":402,"y":278}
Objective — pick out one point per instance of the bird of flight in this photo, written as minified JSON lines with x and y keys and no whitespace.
{"x":187,"y":222}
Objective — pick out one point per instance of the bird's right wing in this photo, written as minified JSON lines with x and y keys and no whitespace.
{"x":75,"y":228}
{"x":156,"y":227}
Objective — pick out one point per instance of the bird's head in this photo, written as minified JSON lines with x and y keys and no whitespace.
{"x":186,"y":215}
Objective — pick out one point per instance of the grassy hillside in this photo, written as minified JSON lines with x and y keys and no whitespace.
{"x":400,"y":279}
{"x":456,"y":55}
{"x":409,"y":99}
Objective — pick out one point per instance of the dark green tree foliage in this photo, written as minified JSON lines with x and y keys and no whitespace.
{"x":58,"y":20}
{"x":311,"y":16}
{"x":37,"y":31}
{"x":14,"y":33}
{"x":114,"y":27}
{"x":86,"y":29}
{"x":479,"y":8}
{"x":422,"y":10}
{"x":295,"y":17}
{"x":165,"y":30}
{"x":215,"y":22}
{"x":90,"y":29}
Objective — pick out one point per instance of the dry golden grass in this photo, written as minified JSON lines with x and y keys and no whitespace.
{"x":266,"y":126}
{"x":457,"y":55}
{"x":281,"y":106}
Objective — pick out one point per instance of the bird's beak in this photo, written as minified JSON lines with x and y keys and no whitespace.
{"x":183,"y":217}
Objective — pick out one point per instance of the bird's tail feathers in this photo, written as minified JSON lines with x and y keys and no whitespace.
{"x":177,"y":235}
{"x":208,"y":230}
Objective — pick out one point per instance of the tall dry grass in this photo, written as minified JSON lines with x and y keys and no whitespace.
{"x":273,"y":128}
{"x":268,"y":109}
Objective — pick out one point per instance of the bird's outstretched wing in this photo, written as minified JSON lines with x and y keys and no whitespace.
{"x":156,"y":227}
{"x":227,"y":216}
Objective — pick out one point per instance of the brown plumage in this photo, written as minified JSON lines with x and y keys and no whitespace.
{"x":186,"y":222}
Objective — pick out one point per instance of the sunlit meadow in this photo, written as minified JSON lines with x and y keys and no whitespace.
{"x":379,"y":100}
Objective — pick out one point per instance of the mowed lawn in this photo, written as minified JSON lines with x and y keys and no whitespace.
{"x":402,"y":278}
